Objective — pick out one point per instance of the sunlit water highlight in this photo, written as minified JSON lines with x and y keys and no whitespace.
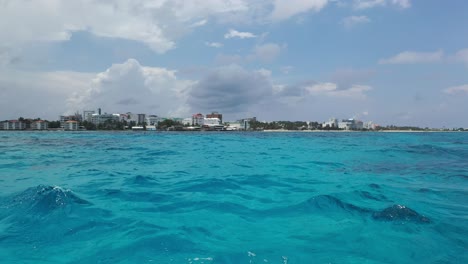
{"x":233,"y":197}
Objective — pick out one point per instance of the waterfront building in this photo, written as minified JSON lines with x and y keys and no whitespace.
{"x":187,"y":121}
{"x":370,"y":125}
{"x":13,"y":125}
{"x":233,"y":126}
{"x":242,"y":124}
{"x":65,"y":118}
{"x":40,"y":125}
{"x":139,"y":119}
{"x":346,"y":124}
{"x":152,"y":120}
{"x":70,"y":125}
{"x":350,"y":124}
{"x":100,"y":119}
{"x":331,"y":123}
{"x":87,"y":114}
{"x":359,"y":125}
{"x":211,"y":121}
{"x":197,"y":119}
{"x":245,"y":123}
{"x":215,"y":115}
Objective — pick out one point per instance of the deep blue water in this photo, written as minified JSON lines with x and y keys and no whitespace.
{"x":233,"y":197}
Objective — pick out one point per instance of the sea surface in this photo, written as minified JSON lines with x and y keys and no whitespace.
{"x":123,"y":197}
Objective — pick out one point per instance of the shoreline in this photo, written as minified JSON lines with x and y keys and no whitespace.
{"x":248,"y":131}
{"x":356,"y":131}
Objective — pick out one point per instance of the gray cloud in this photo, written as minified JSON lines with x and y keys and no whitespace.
{"x":298,"y":89}
{"x":230,"y":89}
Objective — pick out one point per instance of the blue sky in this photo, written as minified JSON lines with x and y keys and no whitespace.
{"x":401,"y":62}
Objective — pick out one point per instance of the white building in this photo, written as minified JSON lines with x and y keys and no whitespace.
{"x":64,"y":119}
{"x":197,"y":119}
{"x":370,"y":125}
{"x":233,"y":126}
{"x":239,"y":125}
{"x":331,"y":123}
{"x":40,"y":125}
{"x":139,"y":119}
{"x":100,"y":119}
{"x":351,"y":124}
{"x":214,"y":121}
{"x":71,"y":125}
{"x":187,"y":121}
{"x":87,"y":115}
{"x":14,"y":125}
{"x":152,"y":120}
{"x":346,"y":124}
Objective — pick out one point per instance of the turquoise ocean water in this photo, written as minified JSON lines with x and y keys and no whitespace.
{"x":233,"y":197}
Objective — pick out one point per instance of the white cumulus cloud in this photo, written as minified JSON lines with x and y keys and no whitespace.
{"x":413,"y":57}
{"x":402,"y":3}
{"x":132,"y":87}
{"x":156,"y":23}
{"x":462,"y":56}
{"x":331,"y":89}
{"x":214,"y":44}
{"x":284,"y":9}
{"x":366,"y":4}
{"x":352,"y":21}
{"x":462,"y":89}
{"x":237,"y":34}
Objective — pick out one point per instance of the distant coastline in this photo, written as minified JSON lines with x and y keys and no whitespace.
{"x":363,"y":131}
{"x":237,"y":131}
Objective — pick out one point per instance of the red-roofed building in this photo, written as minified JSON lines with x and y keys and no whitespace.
{"x":70,"y":125}
{"x":197,"y":119}
{"x":40,"y":125}
{"x":13,"y":125}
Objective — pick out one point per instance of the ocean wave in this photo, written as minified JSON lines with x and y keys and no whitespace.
{"x":207,"y":186}
{"x":43,"y":199}
{"x":141,"y":180}
{"x":400,"y":213}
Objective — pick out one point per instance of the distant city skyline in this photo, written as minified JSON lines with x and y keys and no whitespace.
{"x":401,"y":62}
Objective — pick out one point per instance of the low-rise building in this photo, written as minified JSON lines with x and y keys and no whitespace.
{"x":351,"y":124}
{"x":370,"y":125}
{"x":187,"y":121}
{"x":152,"y":120}
{"x":87,"y":115}
{"x":211,"y":121}
{"x":234,"y":126}
{"x":14,"y":125}
{"x":197,"y":119}
{"x":243,"y":124}
{"x":65,"y":118}
{"x":331,"y":123}
{"x":138,"y":119}
{"x":70,"y":125}
{"x":101,"y":119}
{"x":40,"y":125}
{"x":215,"y":115}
